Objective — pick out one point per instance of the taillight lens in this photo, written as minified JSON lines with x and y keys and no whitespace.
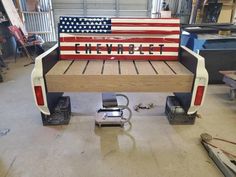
{"x":39,"y":95}
{"x":199,"y":95}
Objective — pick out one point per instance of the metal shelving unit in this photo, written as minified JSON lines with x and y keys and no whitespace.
{"x":41,"y":22}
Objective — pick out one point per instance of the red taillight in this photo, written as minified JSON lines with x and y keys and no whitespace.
{"x":39,"y":95}
{"x":199,"y":95}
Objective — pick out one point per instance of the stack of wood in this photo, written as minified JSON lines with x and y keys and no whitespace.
{"x":226,"y":15}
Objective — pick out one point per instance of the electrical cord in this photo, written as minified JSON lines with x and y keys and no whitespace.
{"x":226,"y":152}
{"x":227,"y":141}
{"x":206,"y":138}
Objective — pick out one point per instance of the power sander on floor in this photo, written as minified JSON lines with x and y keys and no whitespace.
{"x":112,"y":114}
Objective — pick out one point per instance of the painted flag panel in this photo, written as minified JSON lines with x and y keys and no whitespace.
{"x":118,"y":38}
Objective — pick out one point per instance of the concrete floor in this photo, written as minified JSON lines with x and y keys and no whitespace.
{"x":150,"y":148}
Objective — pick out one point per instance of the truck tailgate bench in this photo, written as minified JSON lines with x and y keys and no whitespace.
{"x":143,"y":58}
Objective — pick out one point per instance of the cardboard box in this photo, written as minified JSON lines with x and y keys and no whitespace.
{"x":165,"y":14}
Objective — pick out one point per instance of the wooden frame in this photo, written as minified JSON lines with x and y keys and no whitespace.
{"x":182,"y":77}
{"x":119,"y":76}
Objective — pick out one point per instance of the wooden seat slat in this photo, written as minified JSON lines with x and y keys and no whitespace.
{"x":77,"y":67}
{"x":127,"y":68}
{"x":162,"y":68}
{"x":111,"y":68}
{"x":94,"y":67}
{"x":144,"y":68}
{"x":178,"y":68}
{"x":60,"y":68}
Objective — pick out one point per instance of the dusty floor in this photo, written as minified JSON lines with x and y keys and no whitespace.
{"x":150,"y":148}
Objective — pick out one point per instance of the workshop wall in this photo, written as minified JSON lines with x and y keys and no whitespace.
{"x":113,"y":8}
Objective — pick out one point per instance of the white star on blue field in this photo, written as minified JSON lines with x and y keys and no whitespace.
{"x":84,"y":25}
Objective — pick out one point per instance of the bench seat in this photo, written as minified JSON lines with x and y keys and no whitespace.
{"x":118,"y":76}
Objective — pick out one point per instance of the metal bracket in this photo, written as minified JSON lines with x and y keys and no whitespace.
{"x":112,"y":114}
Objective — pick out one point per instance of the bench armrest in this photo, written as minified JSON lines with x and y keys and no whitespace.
{"x":43,"y":63}
{"x":196,"y":64}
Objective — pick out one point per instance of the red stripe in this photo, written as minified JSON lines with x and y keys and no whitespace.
{"x":147,"y":18}
{"x":147,"y":32}
{"x":117,"y":57}
{"x":119,"y":39}
{"x":155,"y":49}
{"x":146,"y":24}
{"x":138,"y":24}
{"x":124,"y":18}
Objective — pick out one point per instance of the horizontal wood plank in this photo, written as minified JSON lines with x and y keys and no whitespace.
{"x":144,"y":68}
{"x":127,"y":68}
{"x":229,"y":74}
{"x":77,"y":67}
{"x":111,"y":68}
{"x":59,"y":68}
{"x":94,"y":67}
{"x":92,"y":80}
{"x":119,"y":83}
{"x":162,"y":68}
{"x":178,"y":68}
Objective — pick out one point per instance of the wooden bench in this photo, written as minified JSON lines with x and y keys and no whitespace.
{"x":143,"y":57}
{"x":119,"y":76}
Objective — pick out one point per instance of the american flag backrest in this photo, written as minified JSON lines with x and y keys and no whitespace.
{"x":105,"y":38}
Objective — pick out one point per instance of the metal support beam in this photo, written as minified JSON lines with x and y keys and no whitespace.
{"x":117,"y":8}
{"x":156,"y":8}
{"x":85,"y":7}
{"x":149,"y":8}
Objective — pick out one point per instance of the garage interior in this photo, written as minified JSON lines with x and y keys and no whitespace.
{"x":149,"y":145}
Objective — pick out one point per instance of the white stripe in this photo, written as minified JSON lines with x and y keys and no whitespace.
{"x":173,"y":36}
{"x":124,"y":53}
{"x":103,"y":44}
{"x":128,"y":20}
{"x":144,"y":28}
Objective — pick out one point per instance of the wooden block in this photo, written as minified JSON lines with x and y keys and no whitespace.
{"x":165,"y":14}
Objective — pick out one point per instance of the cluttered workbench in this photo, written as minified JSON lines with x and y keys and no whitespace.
{"x":229,"y":78}
{"x":216,"y":43}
